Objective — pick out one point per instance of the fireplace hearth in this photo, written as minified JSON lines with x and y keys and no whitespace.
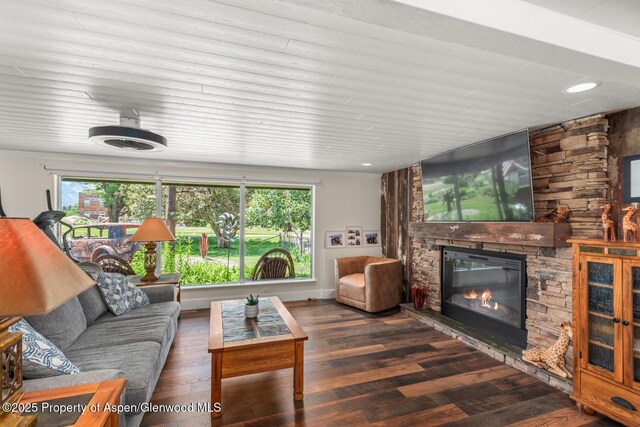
{"x":486,"y":290}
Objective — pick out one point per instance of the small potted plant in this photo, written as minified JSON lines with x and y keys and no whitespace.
{"x":251,"y":307}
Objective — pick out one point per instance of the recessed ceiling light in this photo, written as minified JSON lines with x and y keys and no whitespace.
{"x":366,"y":164}
{"x":582,"y":87}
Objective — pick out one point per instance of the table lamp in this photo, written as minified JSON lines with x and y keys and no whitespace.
{"x":35,"y":278}
{"x":151,"y":231}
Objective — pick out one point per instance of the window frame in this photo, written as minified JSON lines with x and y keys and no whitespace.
{"x":243,"y":183}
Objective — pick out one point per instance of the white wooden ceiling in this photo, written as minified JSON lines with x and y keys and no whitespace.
{"x":292,"y":83}
{"x":618,"y":15}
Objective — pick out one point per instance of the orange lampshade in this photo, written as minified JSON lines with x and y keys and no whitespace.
{"x":35,"y":275}
{"x":153,"y":230}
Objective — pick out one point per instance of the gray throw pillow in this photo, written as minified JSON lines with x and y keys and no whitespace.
{"x":120,"y":295}
{"x":40,"y":357}
{"x":63,"y":325}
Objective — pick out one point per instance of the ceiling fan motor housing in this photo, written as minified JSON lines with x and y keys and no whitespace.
{"x":127,"y":136}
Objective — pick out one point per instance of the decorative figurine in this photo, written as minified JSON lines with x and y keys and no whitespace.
{"x":552,"y":358}
{"x":559,"y":214}
{"x":608,"y":225}
{"x":629,"y":226}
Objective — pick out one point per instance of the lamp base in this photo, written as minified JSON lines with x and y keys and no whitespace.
{"x":150,"y":260}
{"x":11,"y":374}
{"x":8,"y":419}
{"x":149,"y":277}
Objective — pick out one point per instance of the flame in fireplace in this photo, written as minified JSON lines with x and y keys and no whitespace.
{"x":471,"y":294}
{"x":485,"y":298}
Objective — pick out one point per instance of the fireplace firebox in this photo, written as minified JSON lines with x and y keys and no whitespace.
{"x":486,"y":290}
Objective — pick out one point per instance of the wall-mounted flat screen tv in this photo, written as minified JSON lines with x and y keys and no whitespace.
{"x":487,"y":181}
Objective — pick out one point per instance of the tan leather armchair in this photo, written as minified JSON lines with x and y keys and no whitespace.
{"x":369,"y":283}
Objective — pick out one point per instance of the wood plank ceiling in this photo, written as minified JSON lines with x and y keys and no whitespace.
{"x":292,"y":83}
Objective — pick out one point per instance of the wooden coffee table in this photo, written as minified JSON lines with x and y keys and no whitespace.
{"x":241,"y":346}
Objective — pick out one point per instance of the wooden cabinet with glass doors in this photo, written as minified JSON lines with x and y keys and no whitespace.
{"x":606,"y":328}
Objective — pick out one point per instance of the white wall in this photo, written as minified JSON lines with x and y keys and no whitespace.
{"x":341,"y":199}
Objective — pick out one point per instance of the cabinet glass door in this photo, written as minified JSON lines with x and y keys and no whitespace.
{"x":635,"y":300}
{"x":600,"y":314}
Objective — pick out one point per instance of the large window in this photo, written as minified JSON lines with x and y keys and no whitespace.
{"x":214,"y":245}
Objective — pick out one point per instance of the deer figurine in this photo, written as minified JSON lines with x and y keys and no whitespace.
{"x":552,"y":358}
{"x":629,"y":226}
{"x":608,"y":225}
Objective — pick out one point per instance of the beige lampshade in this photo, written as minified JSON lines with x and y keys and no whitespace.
{"x":153,"y":230}
{"x":35,"y":275}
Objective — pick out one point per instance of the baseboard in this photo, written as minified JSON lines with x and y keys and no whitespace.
{"x":197,"y":303}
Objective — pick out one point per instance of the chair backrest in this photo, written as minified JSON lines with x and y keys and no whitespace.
{"x":274,"y":264}
{"x":114,"y":264}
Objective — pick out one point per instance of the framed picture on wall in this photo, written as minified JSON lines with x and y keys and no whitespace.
{"x":354,"y":236}
{"x":334,"y":239}
{"x":632,"y":178}
{"x":372,"y":238}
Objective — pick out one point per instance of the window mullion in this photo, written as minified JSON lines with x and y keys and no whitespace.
{"x":241,"y":249}
{"x":159,"y":215}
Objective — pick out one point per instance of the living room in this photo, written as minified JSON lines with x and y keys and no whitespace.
{"x":289,"y":151}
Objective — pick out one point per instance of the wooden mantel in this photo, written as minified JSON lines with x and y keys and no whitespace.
{"x":537,"y":234}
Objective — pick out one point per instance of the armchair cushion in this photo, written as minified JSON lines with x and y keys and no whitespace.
{"x":352,"y":287}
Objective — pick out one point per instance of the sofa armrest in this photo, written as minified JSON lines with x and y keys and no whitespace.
{"x":383,"y":284}
{"x":65,"y":380}
{"x":160,"y":293}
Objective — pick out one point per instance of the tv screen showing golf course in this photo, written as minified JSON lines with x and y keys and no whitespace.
{"x":487,"y":181}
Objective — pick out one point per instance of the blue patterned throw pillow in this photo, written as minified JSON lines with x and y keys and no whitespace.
{"x":38,"y":350}
{"x":119,"y":293}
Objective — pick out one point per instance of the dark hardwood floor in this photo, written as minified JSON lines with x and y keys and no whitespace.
{"x":363,"y":369}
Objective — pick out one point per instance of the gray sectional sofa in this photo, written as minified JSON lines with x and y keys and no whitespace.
{"x":133,"y":345}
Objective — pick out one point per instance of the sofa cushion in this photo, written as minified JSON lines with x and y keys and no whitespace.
{"x":119,"y":293}
{"x":352,"y":286}
{"x":63,"y":325}
{"x":158,"y":329}
{"x":90,"y":267}
{"x":140,"y":362}
{"x":169,"y":309}
{"x":40,"y":357}
{"x":92,"y":304}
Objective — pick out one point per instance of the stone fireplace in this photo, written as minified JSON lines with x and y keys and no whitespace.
{"x":577,"y":164}
{"x":569,"y":168}
{"x":545,"y":299}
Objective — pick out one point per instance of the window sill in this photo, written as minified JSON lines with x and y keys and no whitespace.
{"x":312,"y":281}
